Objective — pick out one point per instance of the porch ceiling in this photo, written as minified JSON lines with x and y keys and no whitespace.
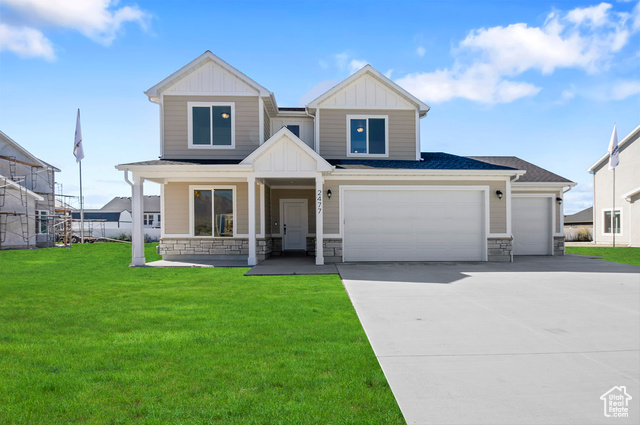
{"x":289,"y":182}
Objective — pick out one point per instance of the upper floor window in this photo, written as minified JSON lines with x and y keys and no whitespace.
{"x":294,"y":128}
{"x":211,"y":125}
{"x":367,"y":135}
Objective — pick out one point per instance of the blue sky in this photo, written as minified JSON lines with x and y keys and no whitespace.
{"x":544,"y":81}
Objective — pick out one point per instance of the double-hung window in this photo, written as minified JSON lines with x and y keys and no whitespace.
{"x":211,"y":125}
{"x":41,"y":221}
{"x":617,"y":226}
{"x":367,"y":135}
{"x":212,"y":211}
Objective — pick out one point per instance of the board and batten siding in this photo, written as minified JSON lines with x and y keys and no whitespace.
{"x":497,"y":207}
{"x":176,"y":132}
{"x":402,"y":132}
{"x":176,"y":207}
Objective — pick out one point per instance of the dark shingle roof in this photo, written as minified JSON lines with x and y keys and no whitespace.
{"x":186,"y":162}
{"x":430,"y":161}
{"x":121,"y":203}
{"x":287,"y":108}
{"x":581,"y":217}
{"x":97,"y":215}
{"x":534,"y":173}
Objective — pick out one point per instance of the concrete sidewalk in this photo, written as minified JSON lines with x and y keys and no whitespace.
{"x":537,"y":341}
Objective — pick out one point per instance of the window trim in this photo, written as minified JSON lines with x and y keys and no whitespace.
{"x":191,"y":105}
{"x":604,"y":211}
{"x":386,"y":136}
{"x":286,"y":123}
{"x":39,"y":221}
{"x":213,"y":188}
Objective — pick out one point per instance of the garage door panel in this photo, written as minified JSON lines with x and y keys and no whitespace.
{"x":531,"y":225}
{"x":413,"y":225}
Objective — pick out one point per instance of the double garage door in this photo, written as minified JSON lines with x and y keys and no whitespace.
{"x":413,"y":224}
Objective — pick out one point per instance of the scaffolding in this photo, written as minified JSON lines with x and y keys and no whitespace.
{"x":49,"y":223}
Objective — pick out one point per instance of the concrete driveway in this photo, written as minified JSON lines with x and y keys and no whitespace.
{"x":537,"y":341}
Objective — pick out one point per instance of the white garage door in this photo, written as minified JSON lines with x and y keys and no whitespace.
{"x":531,"y":226}
{"x":398,"y":224}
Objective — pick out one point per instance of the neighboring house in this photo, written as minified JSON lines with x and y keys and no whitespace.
{"x":114,"y":219}
{"x":579,"y":226}
{"x":627,"y":195}
{"x":27,"y":198}
{"x":342,"y":178}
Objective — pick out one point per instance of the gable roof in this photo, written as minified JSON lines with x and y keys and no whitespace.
{"x":369,"y":70}
{"x":430,"y":161}
{"x":534,"y":173}
{"x":201,"y":60}
{"x":25,"y":152}
{"x":628,"y":139}
{"x":151,"y":203}
{"x":7,"y":182}
{"x":581,"y":217}
{"x":284,"y":132}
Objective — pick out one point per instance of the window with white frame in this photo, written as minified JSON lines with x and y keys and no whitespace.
{"x":294,"y":128}
{"x":148,"y":220}
{"x":211,"y":125}
{"x":213,"y":211}
{"x":41,"y":222}
{"x":617,"y":223}
{"x":367,"y":135}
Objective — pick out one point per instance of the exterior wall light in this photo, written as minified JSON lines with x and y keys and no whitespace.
{"x":329,"y":193}
{"x":558,"y":200}
{"x":499,"y":194}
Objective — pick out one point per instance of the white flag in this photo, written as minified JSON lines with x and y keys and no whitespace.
{"x":78,"y":152}
{"x":613,"y":149}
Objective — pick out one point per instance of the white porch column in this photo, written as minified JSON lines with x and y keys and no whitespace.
{"x":251,"y":181}
{"x":319,"y":195}
{"x":137,"y":232}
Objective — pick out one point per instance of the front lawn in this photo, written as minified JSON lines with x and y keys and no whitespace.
{"x":617,"y":255}
{"x":86,"y":339}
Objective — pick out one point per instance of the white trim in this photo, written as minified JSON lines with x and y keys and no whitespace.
{"x":305,"y":218}
{"x":627,"y":196}
{"x":291,"y":187}
{"x":251,"y":214}
{"x":162,"y":211}
{"x":161,"y":107}
{"x":604,"y":210}
{"x":191,"y":105}
{"x":332,"y":236}
{"x":316,"y":131}
{"x":418,"y":157}
{"x":552,"y":198}
{"x":386,"y":136}
{"x":263,"y":225}
{"x":480,"y":188}
{"x":508,"y":206}
{"x":319,"y":214}
{"x":212,"y":188}
{"x":362,"y":174}
{"x":261,"y":119}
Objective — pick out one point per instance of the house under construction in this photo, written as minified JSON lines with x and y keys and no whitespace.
{"x":28,"y":217}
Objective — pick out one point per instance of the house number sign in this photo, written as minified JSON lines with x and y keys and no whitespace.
{"x":319,"y":201}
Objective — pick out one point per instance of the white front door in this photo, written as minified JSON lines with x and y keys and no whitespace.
{"x":294,"y":224}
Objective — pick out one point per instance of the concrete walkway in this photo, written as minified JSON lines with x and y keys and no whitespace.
{"x":290,"y":265}
{"x":537,"y":341}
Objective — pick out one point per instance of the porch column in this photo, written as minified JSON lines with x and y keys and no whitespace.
{"x":251,"y":181}
{"x":137,"y":231}
{"x":319,"y":195}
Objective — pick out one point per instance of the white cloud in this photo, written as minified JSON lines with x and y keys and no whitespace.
{"x":421,"y":51}
{"x":25,"y":42}
{"x":356,"y":65}
{"x":625,"y":89}
{"x":388,"y":73}
{"x":566,"y":96}
{"x":316,"y":91}
{"x":488,"y":58}
{"x":99,"y":20}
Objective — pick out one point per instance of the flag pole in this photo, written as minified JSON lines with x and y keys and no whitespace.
{"x":613,"y":210}
{"x":81,"y":205}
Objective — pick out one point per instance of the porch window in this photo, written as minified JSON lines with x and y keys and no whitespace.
{"x":211,"y":125}
{"x":616,"y":222}
{"x":367,"y":135}
{"x":213,"y":212}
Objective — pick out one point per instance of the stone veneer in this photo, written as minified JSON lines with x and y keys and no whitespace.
{"x":500,"y":249}
{"x":558,"y":245}
{"x":173,"y":247}
{"x":332,"y":250}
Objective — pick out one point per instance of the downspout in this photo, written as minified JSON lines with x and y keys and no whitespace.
{"x":314,"y":127}
{"x":126,"y":178}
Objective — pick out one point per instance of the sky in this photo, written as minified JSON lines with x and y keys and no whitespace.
{"x":542,"y":80}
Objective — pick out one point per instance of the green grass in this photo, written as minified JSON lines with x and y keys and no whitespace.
{"x":617,"y":255}
{"x":86,"y":339}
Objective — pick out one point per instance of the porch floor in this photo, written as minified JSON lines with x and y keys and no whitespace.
{"x":288,"y":264}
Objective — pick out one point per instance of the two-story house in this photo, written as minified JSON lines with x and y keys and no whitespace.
{"x":342,"y":178}
{"x":27,"y":198}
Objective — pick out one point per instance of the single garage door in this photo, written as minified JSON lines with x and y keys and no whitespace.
{"x":400,"y":224}
{"x":531,"y":225}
